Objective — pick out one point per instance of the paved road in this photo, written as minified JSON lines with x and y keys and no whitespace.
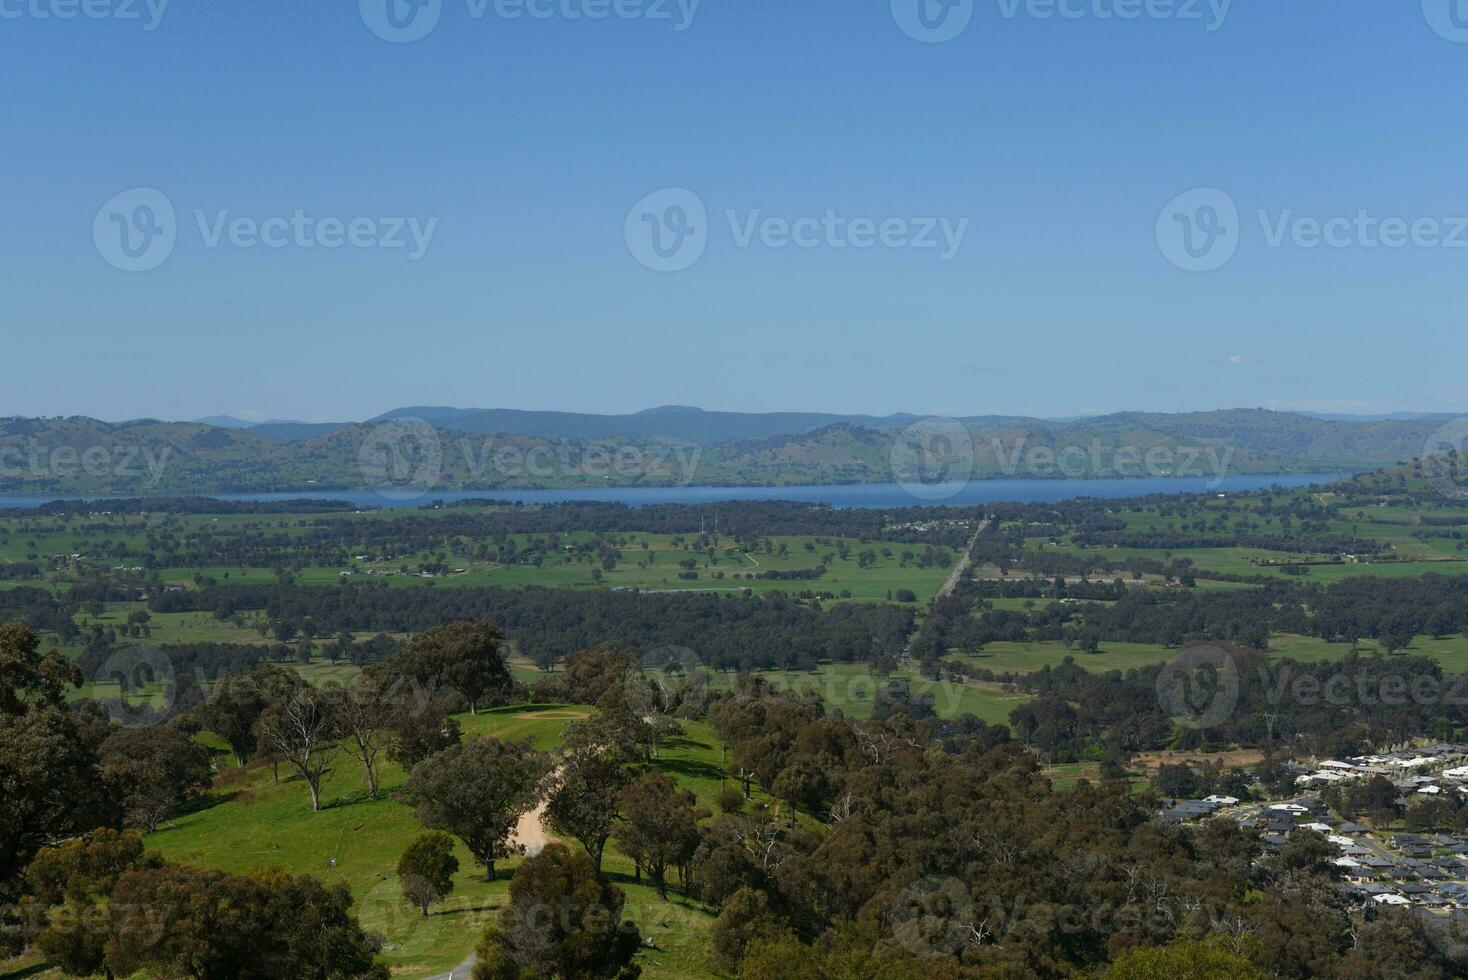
{"x":963,"y":563}
{"x":1261,"y":809}
{"x":461,"y":972}
{"x":950,"y":585}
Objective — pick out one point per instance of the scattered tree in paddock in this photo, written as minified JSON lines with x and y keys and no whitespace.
{"x":299,"y":730}
{"x":478,"y":791}
{"x":659,"y":827}
{"x":427,"y":868}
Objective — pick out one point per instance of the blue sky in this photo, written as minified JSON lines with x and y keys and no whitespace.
{"x":520,"y":149}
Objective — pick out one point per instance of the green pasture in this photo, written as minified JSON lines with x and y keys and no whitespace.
{"x":649,"y":561}
{"x":1450,"y":651}
{"x":248,"y":822}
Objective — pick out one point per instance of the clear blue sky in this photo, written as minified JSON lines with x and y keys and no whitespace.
{"x":530,"y":140}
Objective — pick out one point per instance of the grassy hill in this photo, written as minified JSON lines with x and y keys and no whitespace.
{"x":248,"y":821}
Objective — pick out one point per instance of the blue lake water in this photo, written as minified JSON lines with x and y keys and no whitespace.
{"x":846,"y":495}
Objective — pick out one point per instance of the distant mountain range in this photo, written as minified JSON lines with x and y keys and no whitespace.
{"x":487,"y":449}
{"x":695,"y":426}
{"x":1392,"y":417}
{"x":676,"y":423}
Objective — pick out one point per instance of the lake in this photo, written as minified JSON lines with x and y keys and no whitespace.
{"x":966,"y":494}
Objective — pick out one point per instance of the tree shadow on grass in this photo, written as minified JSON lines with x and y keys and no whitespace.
{"x":676,"y":899}
{"x":683,"y":742}
{"x":354,"y":797}
{"x":199,"y":804}
{"x":689,"y":768}
{"x":469,"y":910}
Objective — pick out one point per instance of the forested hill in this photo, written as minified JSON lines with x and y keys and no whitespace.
{"x":670,"y":447}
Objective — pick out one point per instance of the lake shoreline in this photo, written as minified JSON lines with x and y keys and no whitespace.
{"x":841,"y":495}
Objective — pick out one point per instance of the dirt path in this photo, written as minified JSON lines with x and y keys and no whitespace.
{"x":531,"y":832}
{"x":552,"y":714}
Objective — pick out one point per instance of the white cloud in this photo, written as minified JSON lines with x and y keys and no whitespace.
{"x":1238,"y":360}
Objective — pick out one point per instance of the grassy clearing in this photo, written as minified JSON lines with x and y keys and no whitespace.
{"x":1026,"y":657}
{"x":1065,"y":775}
{"x":248,"y":822}
{"x":657,"y":567}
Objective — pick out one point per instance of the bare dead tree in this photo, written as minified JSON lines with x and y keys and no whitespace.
{"x":363,"y":714}
{"x":300,"y":732}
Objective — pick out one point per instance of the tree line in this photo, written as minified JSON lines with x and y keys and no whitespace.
{"x":729,"y":632}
